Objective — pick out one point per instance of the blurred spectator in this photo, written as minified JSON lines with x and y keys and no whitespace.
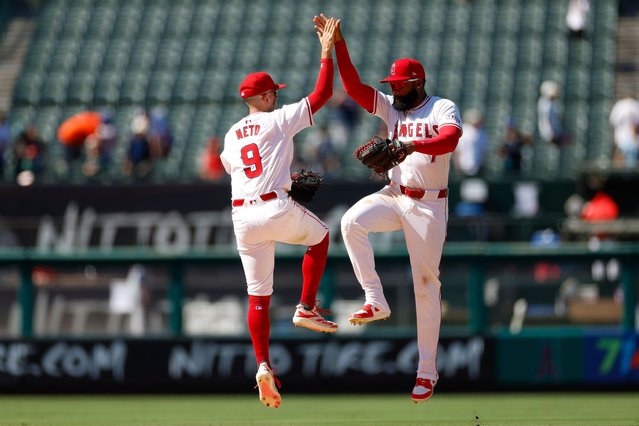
{"x":131,"y":297}
{"x":343,"y":119}
{"x":28,"y":155}
{"x":577,"y":18}
{"x":139,"y":160}
{"x":512,"y":148}
{"x":320,"y":153}
{"x":526,"y":202}
{"x":473,"y":194}
{"x":5,"y":141}
{"x":99,"y":147}
{"x":624,"y":118}
{"x":160,"y":136}
{"x":74,"y":131}
{"x":601,"y":208}
{"x":141,"y":122}
{"x":548,"y":116}
{"x":470,"y":155}
{"x":209,"y":163}
{"x":89,"y":136}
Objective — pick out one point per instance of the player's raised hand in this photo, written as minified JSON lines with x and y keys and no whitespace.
{"x":320,"y":24}
{"x":327,"y":37}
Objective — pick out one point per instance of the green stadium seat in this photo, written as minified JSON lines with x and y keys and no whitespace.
{"x":102,"y":21}
{"x":27,"y":90}
{"x":90,"y":56}
{"x":80,"y":89}
{"x":107,"y":88}
{"x":54,"y":88}
{"x":191,"y":55}
{"x":195,"y":54}
{"x":187,"y":86}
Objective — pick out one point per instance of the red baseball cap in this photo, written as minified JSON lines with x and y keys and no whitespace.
{"x":405,"y":69}
{"x":256,"y":83}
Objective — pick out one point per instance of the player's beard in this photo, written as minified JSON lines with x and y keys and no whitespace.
{"x":406,"y":102}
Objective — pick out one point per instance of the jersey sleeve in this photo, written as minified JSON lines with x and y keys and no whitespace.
{"x":294,"y":118}
{"x":383,"y":106}
{"x":324,"y":86}
{"x":362,"y":93}
{"x":224,"y":156}
{"x":447,"y":114}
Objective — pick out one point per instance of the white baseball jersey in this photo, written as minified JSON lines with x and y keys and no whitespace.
{"x":258,"y":152}
{"x":422,"y":122}
{"x":423,"y":221}
{"x":258,"y":149}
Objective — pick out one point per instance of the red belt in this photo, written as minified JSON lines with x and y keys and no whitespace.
{"x":265,"y":197}
{"x":418,"y":193}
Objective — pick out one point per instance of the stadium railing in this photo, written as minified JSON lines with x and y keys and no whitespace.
{"x":478,"y":256}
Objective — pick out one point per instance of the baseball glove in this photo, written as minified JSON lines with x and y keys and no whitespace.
{"x":381,"y":155}
{"x":305,"y":184}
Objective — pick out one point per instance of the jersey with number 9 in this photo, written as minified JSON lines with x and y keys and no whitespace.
{"x":258,"y":149}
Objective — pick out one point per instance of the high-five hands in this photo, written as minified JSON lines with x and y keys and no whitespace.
{"x":327,"y":34}
{"x":321,"y":22}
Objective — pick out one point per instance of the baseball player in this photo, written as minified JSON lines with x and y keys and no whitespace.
{"x":258,"y":152}
{"x":414,"y":201}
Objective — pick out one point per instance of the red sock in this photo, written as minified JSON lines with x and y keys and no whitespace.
{"x":259,"y":325}
{"x":312,"y":270}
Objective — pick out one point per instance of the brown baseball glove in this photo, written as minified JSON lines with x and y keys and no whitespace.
{"x":381,"y":155}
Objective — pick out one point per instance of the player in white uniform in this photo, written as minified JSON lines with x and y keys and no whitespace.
{"x":415,"y":200}
{"x":258,"y":152}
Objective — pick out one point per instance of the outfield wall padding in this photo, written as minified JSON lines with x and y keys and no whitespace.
{"x":327,"y":364}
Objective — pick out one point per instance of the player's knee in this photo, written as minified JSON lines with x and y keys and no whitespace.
{"x":428,"y":286}
{"x":350,"y":225}
{"x":322,"y":245}
{"x":264,"y":288}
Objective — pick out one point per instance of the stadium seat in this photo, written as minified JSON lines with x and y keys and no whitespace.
{"x":54,"y":88}
{"x":191,"y":56}
{"x":107,"y":88}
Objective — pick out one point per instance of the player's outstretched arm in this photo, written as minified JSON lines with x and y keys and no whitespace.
{"x":324,"y":86}
{"x":363,"y":94}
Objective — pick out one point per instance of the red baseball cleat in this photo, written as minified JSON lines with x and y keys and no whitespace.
{"x":423,"y":390}
{"x":368,"y":313}
{"x":313,"y":320}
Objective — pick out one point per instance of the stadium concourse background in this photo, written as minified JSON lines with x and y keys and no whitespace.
{"x":113,"y":281}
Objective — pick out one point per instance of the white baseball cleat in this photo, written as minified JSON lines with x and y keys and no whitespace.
{"x":368,"y":313}
{"x":423,"y":390}
{"x":313,"y":320}
{"x":267,"y":384}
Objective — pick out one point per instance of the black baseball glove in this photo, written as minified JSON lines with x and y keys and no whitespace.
{"x":381,"y":155}
{"x":305,"y":184}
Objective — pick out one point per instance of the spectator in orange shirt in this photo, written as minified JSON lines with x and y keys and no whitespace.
{"x":90,"y":134}
{"x":76,"y":129}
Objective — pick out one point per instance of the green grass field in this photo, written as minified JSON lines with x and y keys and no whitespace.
{"x":341,"y":409}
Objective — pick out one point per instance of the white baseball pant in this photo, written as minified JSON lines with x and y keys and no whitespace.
{"x":424,"y":225}
{"x":258,"y":225}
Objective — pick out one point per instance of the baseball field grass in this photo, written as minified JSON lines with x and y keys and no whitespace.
{"x":339,"y":409}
